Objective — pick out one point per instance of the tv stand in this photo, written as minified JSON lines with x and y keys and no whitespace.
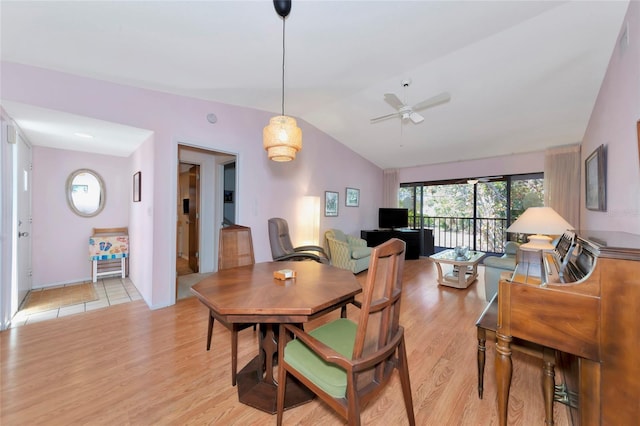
{"x":375,"y":237}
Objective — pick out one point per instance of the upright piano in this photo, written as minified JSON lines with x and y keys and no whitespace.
{"x":583,"y":300}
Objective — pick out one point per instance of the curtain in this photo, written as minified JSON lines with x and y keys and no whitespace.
{"x":390,"y":188}
{"x":562,"y":182}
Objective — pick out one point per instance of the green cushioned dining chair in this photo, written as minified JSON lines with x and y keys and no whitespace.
{"x":346,"y":363}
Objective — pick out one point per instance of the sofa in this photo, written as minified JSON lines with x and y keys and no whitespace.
{"x":346,"y":251}
{"x":494,"y":266}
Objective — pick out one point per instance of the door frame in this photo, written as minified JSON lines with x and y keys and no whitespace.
{"x":9,"y":292}
{"x":211,"y":202}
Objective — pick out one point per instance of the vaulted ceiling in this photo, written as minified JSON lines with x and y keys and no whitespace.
{"x":522,"y":76}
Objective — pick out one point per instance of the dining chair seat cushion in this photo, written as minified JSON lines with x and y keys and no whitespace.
{"x":339,"y":335}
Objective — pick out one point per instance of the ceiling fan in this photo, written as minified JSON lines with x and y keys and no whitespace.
{"x":407,"y":112}
{"x":482,"y":179}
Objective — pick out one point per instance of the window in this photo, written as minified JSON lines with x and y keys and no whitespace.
{"x":473,"y":213}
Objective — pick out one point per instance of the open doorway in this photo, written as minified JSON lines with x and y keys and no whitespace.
{"x":188,"y":219}
{"x":205,"y":200}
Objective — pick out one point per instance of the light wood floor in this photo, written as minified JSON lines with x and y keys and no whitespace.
{"x":128,"y":365}
{"x":182,"y":266}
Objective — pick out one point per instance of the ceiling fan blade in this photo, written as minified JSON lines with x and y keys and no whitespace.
{"x":416,"y":118}
{"x":384,"y":117}
{"x":431,"y":102}
{"x":393,"y":100}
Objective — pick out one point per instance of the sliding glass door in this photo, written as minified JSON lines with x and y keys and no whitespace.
{"x":471,"y":212}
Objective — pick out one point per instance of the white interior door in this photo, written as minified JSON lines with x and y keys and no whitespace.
{"x":23,"y":192}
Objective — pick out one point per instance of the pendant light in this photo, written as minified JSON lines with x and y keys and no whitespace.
{"x":282,"y":138}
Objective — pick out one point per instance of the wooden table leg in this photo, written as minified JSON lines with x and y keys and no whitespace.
{"x":504,"y":368}
{"x":269,"y":349}
{"x":482,"y":339}
{"x":256,"y":382}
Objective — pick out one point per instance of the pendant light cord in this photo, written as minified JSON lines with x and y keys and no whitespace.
{"x":283,"y":50}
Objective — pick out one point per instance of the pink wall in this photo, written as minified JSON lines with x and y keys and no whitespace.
{"x":60,"y":238}
{"x":613,"y":123}
{"x":141,"y":238}
{"x":266,"y":189}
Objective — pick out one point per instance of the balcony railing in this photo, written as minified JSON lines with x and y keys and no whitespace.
{"x":481,"y":234}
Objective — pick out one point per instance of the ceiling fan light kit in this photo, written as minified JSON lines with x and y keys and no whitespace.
{"x":282,"y":138}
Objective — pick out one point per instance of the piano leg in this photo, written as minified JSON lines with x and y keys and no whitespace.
{"x":504,"y":367}
{"x":548,"y":383}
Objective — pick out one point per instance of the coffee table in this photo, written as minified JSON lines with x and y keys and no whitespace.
{"x":464,"y":271}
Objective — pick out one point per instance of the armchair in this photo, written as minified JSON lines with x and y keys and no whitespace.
{"x":495,"y":266}
{"x":346,"y":251}
{"x":282,"y":248}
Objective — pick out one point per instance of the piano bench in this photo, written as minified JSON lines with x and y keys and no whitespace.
{"x":487,"y":325}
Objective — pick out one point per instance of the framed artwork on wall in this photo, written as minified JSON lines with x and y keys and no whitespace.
{"x":137,"y":187}
{"x":330,"y":203}
{"x":352,"y":197}
{"x":595,"y":172}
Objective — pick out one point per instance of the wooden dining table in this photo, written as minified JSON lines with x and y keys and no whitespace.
{"x":251,"y":294}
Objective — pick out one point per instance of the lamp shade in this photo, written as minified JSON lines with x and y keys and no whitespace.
{"x":540,"y":220}
{"x":282,"y":138}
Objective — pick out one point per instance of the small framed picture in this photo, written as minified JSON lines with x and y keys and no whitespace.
{"x":137,"y":186}
{"x":352,"y":197}
{"x":330,"y":203}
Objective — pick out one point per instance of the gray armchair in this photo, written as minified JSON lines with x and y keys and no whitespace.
{"x":346,"y":251}
{"x":282,"y":249}
{"x":495,"y":266}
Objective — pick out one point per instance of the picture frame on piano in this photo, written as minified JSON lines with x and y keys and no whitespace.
{"x":595,"y":168}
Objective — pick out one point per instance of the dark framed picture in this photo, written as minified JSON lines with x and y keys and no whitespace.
{"x":330,"y":203}
{"x":595,"y":172}
{"x":228,"y":196}
{"x":352,"y":197}
{"x":137,"y":187}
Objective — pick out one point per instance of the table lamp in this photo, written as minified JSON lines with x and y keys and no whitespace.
{"x":539,"y":221}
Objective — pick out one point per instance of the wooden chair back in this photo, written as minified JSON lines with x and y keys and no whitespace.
{"x":235,"y":247}
{"x":378,"y":325}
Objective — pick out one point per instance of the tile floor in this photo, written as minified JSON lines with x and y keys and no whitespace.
{"x":111,"y":291}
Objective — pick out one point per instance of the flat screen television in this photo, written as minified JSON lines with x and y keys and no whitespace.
{"x":393,"y":218}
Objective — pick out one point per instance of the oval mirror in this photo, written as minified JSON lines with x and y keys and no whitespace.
{"x":86,"y":193}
